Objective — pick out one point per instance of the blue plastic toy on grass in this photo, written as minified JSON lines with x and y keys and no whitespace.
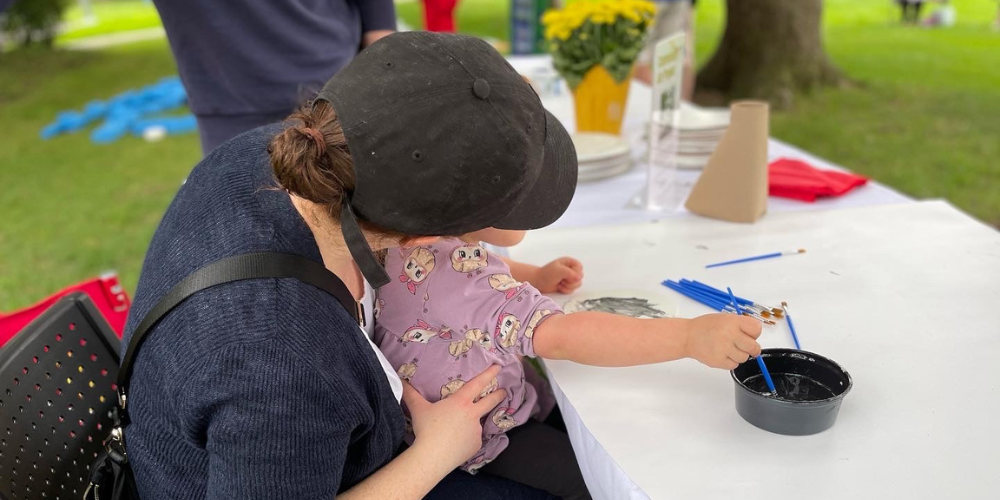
{"x":132,"y":111}
{"x":172,"y":125}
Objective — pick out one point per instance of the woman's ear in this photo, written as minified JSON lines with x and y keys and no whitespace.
{"x":418,"y":241}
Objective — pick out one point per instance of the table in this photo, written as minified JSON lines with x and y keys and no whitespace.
{"x":607,"y":201}
{"x":903,"y":296}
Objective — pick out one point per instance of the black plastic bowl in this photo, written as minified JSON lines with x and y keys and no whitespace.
{"x":809,"y":391}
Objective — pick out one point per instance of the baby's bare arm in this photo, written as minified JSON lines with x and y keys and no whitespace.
{"x":602,"y":339}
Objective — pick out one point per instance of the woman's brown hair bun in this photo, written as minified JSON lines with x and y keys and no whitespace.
{"x":310,"y":158}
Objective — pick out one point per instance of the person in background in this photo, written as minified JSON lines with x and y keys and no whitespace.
{"x":941,"y":17}
{"x":672,"y":16}
{"x":439,"y":15}
{"x":911,"y":10}
{"x":248,"y":64}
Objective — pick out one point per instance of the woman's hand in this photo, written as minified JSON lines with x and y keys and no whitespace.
{"x":723,"y":340}
{"x":563,"y":275}
{"x":448,"y":433}
{"x":450,"y":429}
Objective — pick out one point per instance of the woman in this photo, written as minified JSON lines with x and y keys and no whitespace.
{"x":267,"y":388}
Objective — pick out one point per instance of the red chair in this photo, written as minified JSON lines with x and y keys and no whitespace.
{"x":105,"y":292}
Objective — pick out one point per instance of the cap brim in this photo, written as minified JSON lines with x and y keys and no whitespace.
{"x":555,"y":186}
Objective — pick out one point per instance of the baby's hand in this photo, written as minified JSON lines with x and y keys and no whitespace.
{"x":723,"y":340}
{"x":563,"y":275}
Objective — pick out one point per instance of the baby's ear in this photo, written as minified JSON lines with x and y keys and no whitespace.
{"x":418,"y":241}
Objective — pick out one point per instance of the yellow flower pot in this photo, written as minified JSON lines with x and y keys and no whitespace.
{"x":600,"y":102}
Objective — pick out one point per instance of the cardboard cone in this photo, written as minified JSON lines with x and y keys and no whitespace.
{"x":733,"y":186}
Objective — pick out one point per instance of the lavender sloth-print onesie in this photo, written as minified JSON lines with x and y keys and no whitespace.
{"x":453,"y":311}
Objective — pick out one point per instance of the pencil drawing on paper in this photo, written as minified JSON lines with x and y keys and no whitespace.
{"x":627,"y":306}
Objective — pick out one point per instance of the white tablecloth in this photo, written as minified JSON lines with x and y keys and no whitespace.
{"x":607,"y":201}
{"x":898,"y":292}
{"x":903,"y":296}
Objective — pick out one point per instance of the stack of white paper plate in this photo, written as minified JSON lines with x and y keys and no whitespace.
{"x":601,"y":155}
{"x":701,"y":129}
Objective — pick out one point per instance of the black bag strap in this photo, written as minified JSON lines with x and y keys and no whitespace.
{"x":237,"y":268}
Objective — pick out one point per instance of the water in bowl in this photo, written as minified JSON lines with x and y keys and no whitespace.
{"x":791,"y":387}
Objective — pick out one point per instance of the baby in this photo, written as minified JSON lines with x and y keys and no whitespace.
{"x":456,"y":310}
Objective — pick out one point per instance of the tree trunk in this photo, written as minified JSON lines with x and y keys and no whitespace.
{"x":771,"y":49}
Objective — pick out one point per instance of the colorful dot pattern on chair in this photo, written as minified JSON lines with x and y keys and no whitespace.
{"x":56,"y":401}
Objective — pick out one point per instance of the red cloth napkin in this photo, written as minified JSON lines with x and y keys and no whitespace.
{"x":799,"y":180}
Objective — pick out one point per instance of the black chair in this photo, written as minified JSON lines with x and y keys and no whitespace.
{"x":56,"y":406}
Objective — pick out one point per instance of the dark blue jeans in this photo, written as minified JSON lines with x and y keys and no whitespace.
{"x":551,"y":445}
{"x":461,"y":485}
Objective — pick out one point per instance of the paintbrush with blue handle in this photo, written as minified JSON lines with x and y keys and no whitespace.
{"x":760,"y":359}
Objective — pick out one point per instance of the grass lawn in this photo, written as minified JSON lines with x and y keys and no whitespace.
{"x":72,"y":209}
{"x":111,"y":17}
{"x":925,"y":115}
{"x":924,"y":118}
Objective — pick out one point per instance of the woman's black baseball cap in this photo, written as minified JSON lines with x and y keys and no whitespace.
{"x":446,"y":138}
